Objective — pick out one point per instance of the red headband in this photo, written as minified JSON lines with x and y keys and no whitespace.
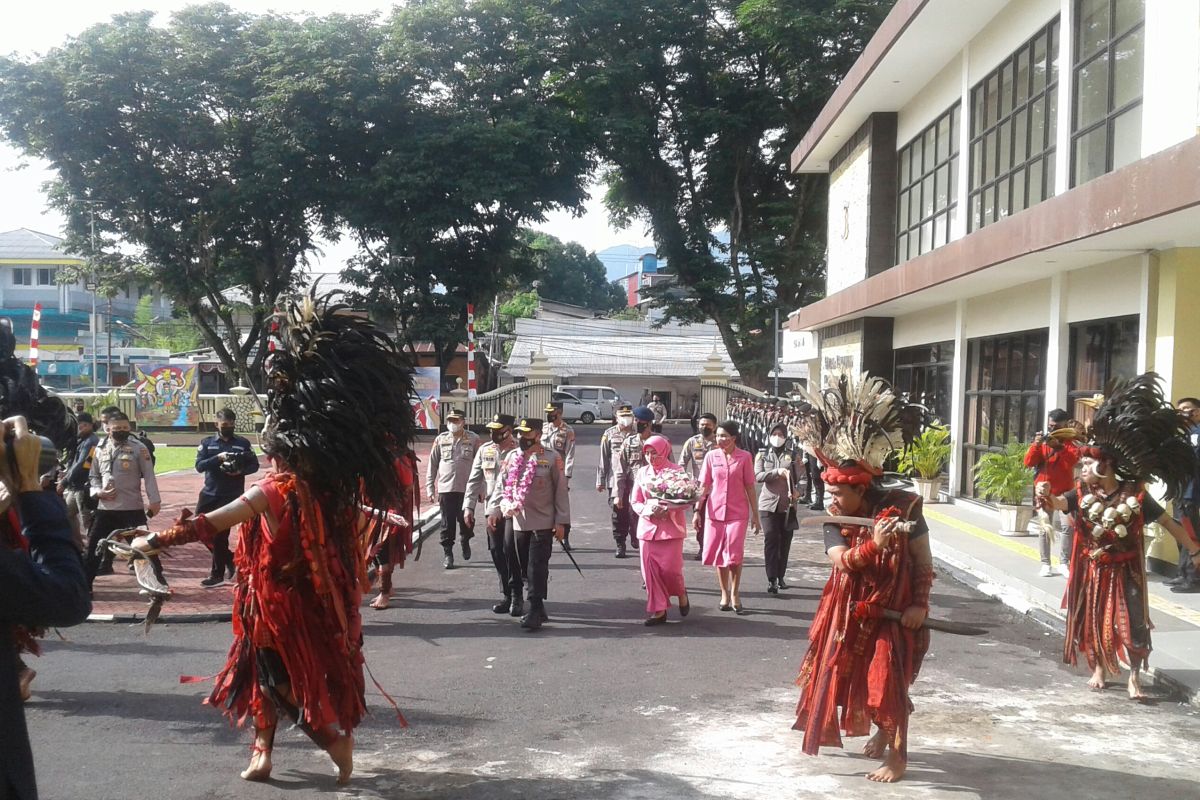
{"x":848,"y":475}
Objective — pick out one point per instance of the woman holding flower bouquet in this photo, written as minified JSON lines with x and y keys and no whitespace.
{"x":661,"y":493}
{"x":727,"y":487}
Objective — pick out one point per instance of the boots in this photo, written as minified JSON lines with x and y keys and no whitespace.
{"x":504,"y":606}
{"x":516,"y":606}
{"x":536,"y":616}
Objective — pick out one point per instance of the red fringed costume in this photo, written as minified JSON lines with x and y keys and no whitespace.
{"x":1106,"y":601}
{"x":857,"y":661}
{"x":392,"y":543}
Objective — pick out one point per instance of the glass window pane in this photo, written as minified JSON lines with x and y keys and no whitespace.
{"x":943,"y":186}
{"x":976,"y":165}
{"x":1051,"y":186}
{"x":914,"y":205}
{"x":1020,"y":136}
{"x":1052,"y":117}
{"x":902,"y":248}
{"x":1022,"y":75}
{"x":1002,"y":357}
{"x":1092,"y":27}
{"x":926,"y":236}
{"x":1039,"y":64}
{"x":927,"y":196}
{"x":1018,"y":191}
{"x":976,"y":218}
{"x":1037,"y":125}
{"x":1052,"y":48}
{"x":1091,"y":155}
{"x":953,"y":220}
{"x":902,"y":213}
{"x":1129,"y":60}
{"x":938,"y":232}
{"x":977,"y":111}
{"x":1036,"y":192}
{"x":955,"y":128}
{"x":1091,"y":100}
{"x":1004,"y":151}
{"x":1127,"y":137}
{"x":1006,"y":89}
{"x":928,"y":146}
{"x":1002,"y":204}
{"x":904,"y":179}
{"x":989,"y":205}
{"x":993,"y":94}
{"x":954,"y":180}
{"x":1129,"y":13}
{"x":943,"y":139}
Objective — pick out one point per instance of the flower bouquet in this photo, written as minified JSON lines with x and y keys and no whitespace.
{"x":673,"y":488}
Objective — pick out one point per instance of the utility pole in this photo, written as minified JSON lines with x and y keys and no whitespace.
{"x":108,"y":354}
{"x":775,"y":335}
{"x":493,"y":365}
{"x":95,"y":285}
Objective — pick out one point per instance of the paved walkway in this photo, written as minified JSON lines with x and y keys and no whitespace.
{"x":965,"y":543}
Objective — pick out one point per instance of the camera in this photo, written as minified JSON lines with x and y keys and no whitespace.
{"x":229,"y":466}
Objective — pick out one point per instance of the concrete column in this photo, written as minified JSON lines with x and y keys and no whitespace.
{"x":1177,"y":325}
{"x":1147,"y":311}
{"x":1058,"y":348}
{"x":540,"y":380}
{"x":714,"y":386}
{"x":958,"y":393}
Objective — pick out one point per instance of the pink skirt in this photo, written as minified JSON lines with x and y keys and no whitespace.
{"x":662,"y":570}
{"x":724,"y":542}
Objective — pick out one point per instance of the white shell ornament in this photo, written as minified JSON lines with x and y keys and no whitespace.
{"x":1124,"y":511}
{"x":1097,"y":532}
{"x":1109,"y":518}
{"x":1094,"y":512}
{"x":1134,"y":505}
{"x":1087,"y":500}
{"x":1121,"y":531}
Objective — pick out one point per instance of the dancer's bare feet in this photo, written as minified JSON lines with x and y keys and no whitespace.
{"x":1096,"y":684}
{"x":381,"y":601}
{"x":342,"y":753}
{"x":260,"y":764}
{"x":875,"y":746}
{"x":1135,"y":686}
{"x":892,"y":770}
{"x":25,"y":681}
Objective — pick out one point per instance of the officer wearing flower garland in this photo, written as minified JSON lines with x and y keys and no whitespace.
{"x":560,"y":437}
{"x":611,"y":443}
{"x":532,"y":492}
{"x":484,"y":472}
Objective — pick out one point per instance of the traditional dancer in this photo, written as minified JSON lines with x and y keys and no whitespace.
{"x":857,"y":660}
{"x":1135,"y":436}
{"x":393,"y":540}
{"x":662,"y":527}
{"x":338,"y":409}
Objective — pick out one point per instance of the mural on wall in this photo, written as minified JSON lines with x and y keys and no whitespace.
{"x":427,"y":397}
{"x":167,"y":396}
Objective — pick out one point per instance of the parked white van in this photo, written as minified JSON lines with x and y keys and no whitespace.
{"x":605,"y":397}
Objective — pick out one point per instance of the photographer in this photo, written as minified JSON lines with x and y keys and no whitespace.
{"x":225,"y":459}
{"x":43,"y":587}
{"x":1054,"y":458}
{"x":120,"y":467}
{"x":74,"y":483}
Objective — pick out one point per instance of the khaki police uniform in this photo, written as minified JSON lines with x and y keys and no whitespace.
{"x":691,"y":458}
{"x":774,"y":501}
{"x":561,"y":439}
{"x":124,"y":468}
{"x":611,"y":443}
{"x":447,"y":472}
{"x":485,"y":470}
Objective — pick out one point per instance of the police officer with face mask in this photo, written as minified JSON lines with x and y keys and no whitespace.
{"x":606,"y":476}
{"x":630,"y":459}
{"x":225,"y":460}
{"x":558,"y":436}
{"x":484,"y":472}
{"x":691,"y":458}
{"x":777,"y":470}
{"x":449,"y":466}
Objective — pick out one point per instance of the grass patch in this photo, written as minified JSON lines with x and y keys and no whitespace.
{"x":171,"y":458}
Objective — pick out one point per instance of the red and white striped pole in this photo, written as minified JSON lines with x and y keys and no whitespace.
{"x":470,"y":350}
{"x":33,"y":335}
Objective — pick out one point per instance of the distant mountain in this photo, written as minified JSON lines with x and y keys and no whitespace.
{"x":622,"y":259}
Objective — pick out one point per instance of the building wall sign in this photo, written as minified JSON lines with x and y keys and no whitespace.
{"x":799,"y":346}
{"x":843,"y":354}
{"x":849,"y":196}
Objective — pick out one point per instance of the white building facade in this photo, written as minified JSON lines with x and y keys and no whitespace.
{"x":1014,"y":208}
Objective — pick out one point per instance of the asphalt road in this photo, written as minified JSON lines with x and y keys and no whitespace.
{"x":597,"y":706}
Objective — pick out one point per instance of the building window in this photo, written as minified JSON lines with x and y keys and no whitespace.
{"x":1005,"y":395}
{"x":22,"y":276}
{"x":1106,"y":122}
{"x":925,"y":374}
{"x":1014,"y":113}
{"x":45,"y":277}
{"x":927,"y":204}
{"x":1101,"y":350}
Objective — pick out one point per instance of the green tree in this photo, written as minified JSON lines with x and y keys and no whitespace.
{"x":569,"y":274}
{"x":169,"y":134}
{"x":175,"y":335}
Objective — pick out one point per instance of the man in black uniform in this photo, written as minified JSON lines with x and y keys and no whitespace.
{"x":225,"y":459}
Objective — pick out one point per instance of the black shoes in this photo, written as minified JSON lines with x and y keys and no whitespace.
{"x":213,"y":581}
{"x":817,"y":507}
{"x":633,"y":542}
{"x":503,"y":607}
{"x":661,"y":619}
{"x":534,"y":619}
{"x":448,"y":561}
{"x":1186,"y":588}
{"x":620,"y":550}
{"x":466,"y":545}
{"x":779,"y":584}
{"x":771,"y":587}
{"x":517,"y":607}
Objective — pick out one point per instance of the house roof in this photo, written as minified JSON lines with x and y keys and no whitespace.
{"x":26,"y":245}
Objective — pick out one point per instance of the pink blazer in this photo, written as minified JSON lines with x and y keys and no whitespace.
{"x":727,"y":477}
{"x":669,"y":526}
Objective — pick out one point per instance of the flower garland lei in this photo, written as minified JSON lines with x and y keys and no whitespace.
{"x":517,"y":481}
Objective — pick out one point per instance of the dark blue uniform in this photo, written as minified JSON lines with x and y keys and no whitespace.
{"x":223,"y":485}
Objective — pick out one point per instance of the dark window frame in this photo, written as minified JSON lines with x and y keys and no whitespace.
{"x":989,"y":129}
{"x":1108,"y":122}
{"x":22,"y":276}
{"x":940,"y":218}
{"x":930,"y":359}
{"x":1076,"y":393}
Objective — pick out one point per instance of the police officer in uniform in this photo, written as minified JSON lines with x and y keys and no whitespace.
{"x":691,"y":458}
{"x":541,"y":515}
{"x":630,"y":459}
{"x":777,"y":470}
{"x":484,"y":471}
{"x":606,"y":474}
{"x":225,"y":460}
{"x":560,"y":437}
{"x":450,"y":461}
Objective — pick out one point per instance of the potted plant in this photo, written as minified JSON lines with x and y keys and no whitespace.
{"x":1003,"y":477}
{"x":924,"y":459}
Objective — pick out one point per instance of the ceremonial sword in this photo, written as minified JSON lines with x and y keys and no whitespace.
{"x":567,"y":549}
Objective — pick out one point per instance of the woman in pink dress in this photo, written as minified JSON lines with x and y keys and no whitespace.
{"x":661,"y":529}
{"x":727,"y":486}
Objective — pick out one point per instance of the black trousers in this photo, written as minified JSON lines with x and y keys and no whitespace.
{"x":622,"y":518}
{"x":504,"y":557}
{"x":222,"y":556}
{"x":104,"y":523}
{"x":451,"y":504}
{"x":816,"y":486}
{"x":533,"y":549}
{"x":777,"y":542}
{"x":1189,"y":517}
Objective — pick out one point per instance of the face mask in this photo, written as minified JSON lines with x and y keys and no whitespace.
{"x":526,"y":443}
{"x":707,"y":433}
{"x":777,"y":441}
{"x":225,"y":431}
{"x":120,"y":436}
{"x":625,"y":422}
{"x":499,"y":437}
{"x":454,"y":427}
{"x":552,"y":418}
{"x":642,"y":427}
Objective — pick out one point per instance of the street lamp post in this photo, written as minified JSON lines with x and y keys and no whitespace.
{"x":93,"y":285}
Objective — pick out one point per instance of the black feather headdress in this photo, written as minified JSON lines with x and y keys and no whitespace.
{"x":1143,"y":434}
{"x":338,"y":402}
{"x":21,"y":394}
